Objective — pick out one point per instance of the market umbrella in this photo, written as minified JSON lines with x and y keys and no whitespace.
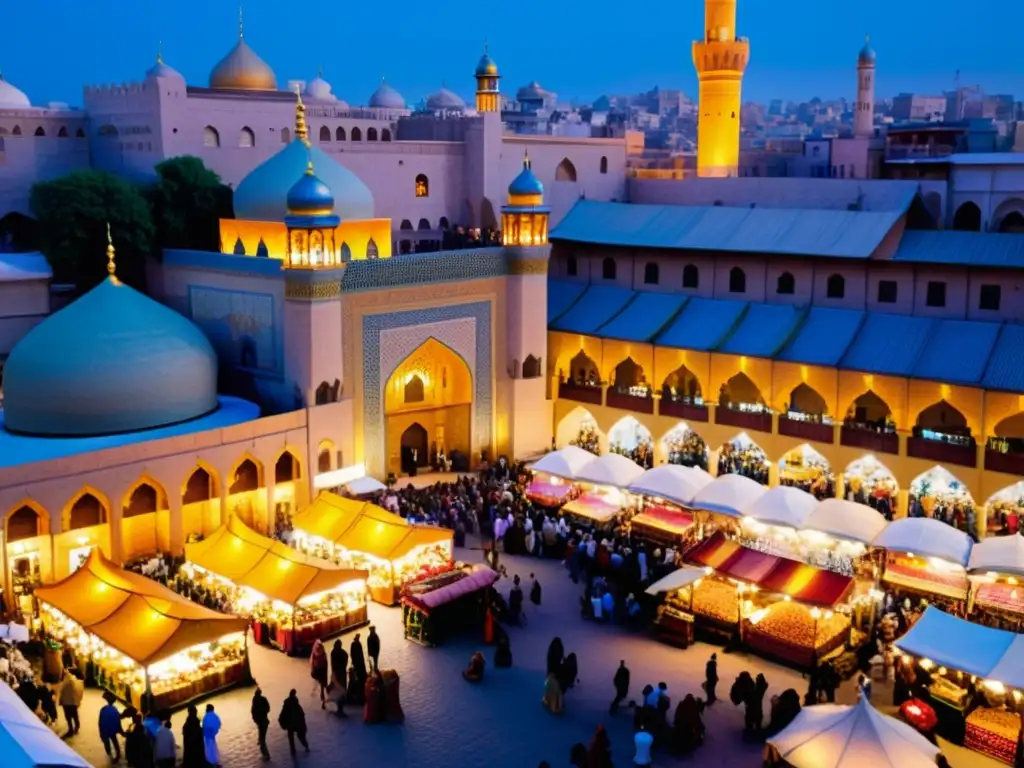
{"x":25,"y":742}
{"x":851,"y":736}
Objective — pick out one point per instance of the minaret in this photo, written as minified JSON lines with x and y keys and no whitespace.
{"x":864,"y":114}
{"x":720,"y":59}
{"x":488,"y":98}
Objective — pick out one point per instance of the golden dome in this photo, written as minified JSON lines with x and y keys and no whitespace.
{"x":242,"y":69}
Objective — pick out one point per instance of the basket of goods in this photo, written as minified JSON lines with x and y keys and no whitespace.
{"x":946,"y":690}
{"x":993,"y":732}
{"x":716,"y":600}
{"x":788,"y":631}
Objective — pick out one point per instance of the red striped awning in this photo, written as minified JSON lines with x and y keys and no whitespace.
{"x":800,"y":581}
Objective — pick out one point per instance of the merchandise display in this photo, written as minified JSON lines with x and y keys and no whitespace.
{"x":926,"y":574}
{"x":716,"y":600}
{"x":440,"y":606}
{"x":662,"y":524}
{"x":594,"y":508}
{"x":795,"y":633}
{"x":993,"y":732}
{"x":550,"y":491}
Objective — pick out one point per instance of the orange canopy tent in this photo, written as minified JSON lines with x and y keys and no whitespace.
{"x":379,"y":533}
{"x":238,"y":554}
{"x":329,"y":516}
{"x":142,"y":619}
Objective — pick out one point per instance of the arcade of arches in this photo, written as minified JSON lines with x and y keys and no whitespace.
{"x":428,"y":407}
{"x":41,"y":544}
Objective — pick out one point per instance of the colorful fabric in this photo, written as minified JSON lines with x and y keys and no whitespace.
{"x":907,"y":572}
{"x":799,"y":581}
{"x":665,"y":518}
{"x":592,"y":507}
{"x":547,"y":494}
{"x":1003,"y":596}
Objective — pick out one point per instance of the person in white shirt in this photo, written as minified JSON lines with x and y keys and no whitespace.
{"x":595,"y":603}
{"x":643,"y":742}
{"x":591,"y":547}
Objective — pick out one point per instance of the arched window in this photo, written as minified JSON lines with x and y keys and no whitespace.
{"x":571,"y":266}
{"x":385,"y":134}
{"x":371,"y":134}
{"x":609,"y":268}
{"x":1012,"y":223}
{"x":286,"y":135}
{"x":406,"y":224}
{"x":737,"y":280}
{"x":443,"y":223}
{"x":40,"y":131}
{"x":422,"y":186}
{"x":357,"y":135}
{"x":62,"y":133}
{"x":17,"y":131}
{"x":836,"y":287}
{"x":323,"y":460}
{"x":22,"y":524}
{"x":143,"y":501}
{"x":86,"y":512}
{"x":79,"y":134}
{"x":967,"y":218}
{"x":604,"y":165}
{"x":424,"y":224}
{"x":211,"y":138}
{"x":786,"y":284}
{"x":239,"y":249}
{"x":651,"y":273}
{"x":339,"y":134}
{"x":565,"y":171}
{"x":325,"y":133}
{"x":414,"y":390}
{"x":287,"y":468}
{"x":531,"y":367}
{"x":261,"y":249}
{"x":323,"y":393}
{"x":691,"y":276}
{"x":247,"y":477}
{"x":246,"y":138}
{"x":198,"y":487}
{"x":371,"y":250}
{"x":346,"y":252}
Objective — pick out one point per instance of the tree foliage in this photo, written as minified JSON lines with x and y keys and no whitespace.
{"x":188,"y":202}
{"x":73,"y":212}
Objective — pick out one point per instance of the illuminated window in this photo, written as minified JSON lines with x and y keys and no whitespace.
{"x":422,"y":186}
{"x":371,"y":250}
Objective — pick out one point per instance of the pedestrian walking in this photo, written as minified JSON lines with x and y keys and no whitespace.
{"x":293,"y":720}
{"x":71,"y":692}
{"x":643,"y":741}
{"x":211,"y":727}
{"x":621,"y":683}
{"x":260,"y":712}
{"x":318,"y":670}
{"x":165,"y":748}
{"x":357,"y":659}
{"x":373,"y":647}
{"x":110,"y":727}
{"x":193,"y":751}
{"x":339,"y":663}
{"x":711,"y":678}
{"x":138,"y":747}
{"x":535,"y":591}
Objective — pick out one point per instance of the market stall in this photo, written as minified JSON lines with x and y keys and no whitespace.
{"x":772,"y":523}
{"x":551,"y":484}
{"x":975,"y":675}
{"x":925,"y":556}
{"x":26,"y":742}
{"x":293,"y":599}
{"x":939,"y":495}
{"x":836,"y":535}
{"x":995,"y":570}
{"x":441,"y":606}
{"x":806,"y":469}
{"x":868,"y":481}
{"x":849,"y":736}
{"x":599,"y":507}
{"x":137,"y":636}
{"x":728,"y":495}
{"x":671,"y":482}
{"x":610,"y":471}
{"x":662,"y":525}
{"x":550,"y":491}
{"x":673,"y":623}
{"x":1004,"y":510}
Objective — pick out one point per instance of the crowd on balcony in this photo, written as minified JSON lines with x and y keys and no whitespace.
{"x":747,"y":460}
{"x":877,"y":490}
{"x":588,"y":438}
{"x":949,"y":503}
{"x":688,"y":449}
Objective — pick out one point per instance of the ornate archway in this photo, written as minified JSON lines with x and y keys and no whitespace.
{"x":578,"y":427}
{"x":431,"y":390}
{"x":868,"y":481}
{"x":742,"y":456}
{"x":200,"y":501}
{"x":682,"y":445}
{"x":246,"y":498}
{"x":806,"y":469}
{"x":939,"y":494}
{"x":632,"y":439}
{"x":143,"y":532}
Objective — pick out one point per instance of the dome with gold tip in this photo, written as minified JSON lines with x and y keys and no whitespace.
{"x":242,"y":69}
{"x":486,"y":67}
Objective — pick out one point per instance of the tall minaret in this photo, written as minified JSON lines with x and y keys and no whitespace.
{"x":864,"y":114}
{"x":488,"y":98}
{"x":720,"y":59}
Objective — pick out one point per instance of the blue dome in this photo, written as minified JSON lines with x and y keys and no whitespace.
{"x":526,"y":183}
{"x":486,"y":67}
{"x":263,"y":194}
{"x":113,"y":361}
{"x":866,"y":55}
{"x":386,"y":97}
{"x":310,"y":197}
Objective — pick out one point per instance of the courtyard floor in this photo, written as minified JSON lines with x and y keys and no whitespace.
{"x":501,"y":723}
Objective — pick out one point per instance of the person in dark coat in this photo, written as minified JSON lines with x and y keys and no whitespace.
{"x":260,"y":713}
{"x":755,"y":705}
{"x":515,"y":602}
{"x":568,"y":672}
{"x":556,"y":654}
{"x":138,"y":749}
{"x":373,"y":647}
{"x":535,"y":591}
{"x":293,"y":720}
{"x":355,"y":655}
{"x":193,"y":750}
{"x":711,"y":678}
{"x":503,"y":653}
{"x":621,"y":683}
{"x":339,"y":664}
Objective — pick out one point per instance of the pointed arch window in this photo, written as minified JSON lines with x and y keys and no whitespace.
{"x":371,"y":134}
{"x":385,"y":134}
{"x":339,"y":134}
{"x":737,"y":280}
{"x":415,"y":390}
{"x":211,"y":137}
{"x":422,"y":186}
{"x":325,"y":134}
{"x":357,"y":135}
{"x":371,"y":250}
{"x":246,"y":138}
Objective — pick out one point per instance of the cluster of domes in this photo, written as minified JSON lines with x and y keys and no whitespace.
{"x":386,"y":97}
{"x":11,"y":97}
{"x":319,"y":89}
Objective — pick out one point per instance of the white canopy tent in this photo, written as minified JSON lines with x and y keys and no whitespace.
{"x":612,"y":469}
{"x":851,"y":736}
{"x":365,"y":485}
{"x":682,"y":577}
{"x":564,"y":463}
{"x":672,"y":482}
{"x":782,"y":505}
{"x":25,"y":742}
{"x":998,"y":554}
{"x":728,"y":495}
{"x":925,"y":536}
{"x":846,"y":520}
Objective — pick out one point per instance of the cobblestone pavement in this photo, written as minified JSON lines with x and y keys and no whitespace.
{"x":499,"y":724}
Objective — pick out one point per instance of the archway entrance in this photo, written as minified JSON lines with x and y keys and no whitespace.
{"x":428,"y":408}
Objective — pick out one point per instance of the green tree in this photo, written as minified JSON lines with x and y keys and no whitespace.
{"x":73,"y":212}
{"x":188,"y":202}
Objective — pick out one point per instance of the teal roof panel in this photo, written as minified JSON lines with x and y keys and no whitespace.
{"x":824,"y":337}
{"x":836,"y":233}
{"x":598,"y":305}
{"x":703,"y":324}
{"x":1005,"y":369}
{"x":975,"y":249}
{"x":957,"y":351}
{"x":888,"y":344}
{"x":763,"y":330}
{"x":643,"y":317}
{"x":561,"y":295}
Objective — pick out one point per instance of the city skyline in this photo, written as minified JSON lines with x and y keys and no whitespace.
{"x":795,"y":58}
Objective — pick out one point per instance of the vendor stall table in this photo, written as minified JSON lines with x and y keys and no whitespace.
{"x":662,"y":525}
{"x":436,"y":608}
{"x":548,"y":494}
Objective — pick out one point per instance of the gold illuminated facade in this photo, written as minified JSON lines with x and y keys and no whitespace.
{"x":721,"y":59}
{"x":524,"y":221}
{"x":488,"y":98}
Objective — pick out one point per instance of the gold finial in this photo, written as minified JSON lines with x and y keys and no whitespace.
{"x":526,"y":158}
{"x":309,"y":167}
{"x":111,"y":267}
{"x":241,"y":25}
{"x":301,"y":129}
{"x":160,"y":52}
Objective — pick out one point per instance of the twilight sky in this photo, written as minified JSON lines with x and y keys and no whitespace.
{"x":51,"y":48}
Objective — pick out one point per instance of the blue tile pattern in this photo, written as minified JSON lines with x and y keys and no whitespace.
{"x":703,"y":324}
{"x":977,"y":249}
{"x":373,"y":406}
{"x":1005,"y":370}
{"x":562,"y":294}
{"x":424,"y":269}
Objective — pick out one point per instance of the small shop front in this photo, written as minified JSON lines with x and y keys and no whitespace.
{"x":996,"y":572}
{"x":134,"y":636}
{"x":926,"y":558}
{"x":293,"y":599}
{"x":439,"y":607}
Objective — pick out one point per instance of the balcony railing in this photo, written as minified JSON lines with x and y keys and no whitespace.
{"x":998,"y":461}
{"x":629,"y":402}
{"x":679,"y":409}
{"x":869,"y":439}
{"x":752,"y":420}
{"x":581,"y":394}
{"x":942,"y":451}
{"x":807,"y":430}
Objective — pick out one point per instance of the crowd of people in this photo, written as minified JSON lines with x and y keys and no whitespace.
{"x":749,"y":461}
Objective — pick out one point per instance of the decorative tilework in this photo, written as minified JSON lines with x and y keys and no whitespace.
{"x":330,"y":289}
{"x":465,"y":328}
{"x":424,"y":268}
{"x":240,"y":325}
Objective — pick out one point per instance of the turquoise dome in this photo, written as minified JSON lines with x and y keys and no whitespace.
{"x":526,"y":183}
{"x":263,"y":194}
{"x":486,"y":67}
{"x":113,"y":361}
{"x":310,"y":197}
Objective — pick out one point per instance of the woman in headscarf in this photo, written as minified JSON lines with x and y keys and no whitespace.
{"x":138,"y":749}
{"x":474,"y":673}
{"x":556,"y":654}
{"x":568,"y":672}
{"x":192,"y":747}
{"x":553,"y":695}
{"x":600,"y":753}
{"x":318,"y":670}
{"x":687,"y":727}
